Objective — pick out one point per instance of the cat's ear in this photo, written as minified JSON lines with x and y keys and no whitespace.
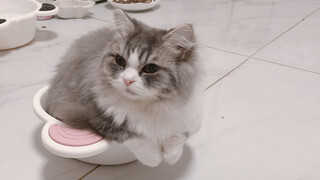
{"x":123,"y":23}
{"x":181,"y":38}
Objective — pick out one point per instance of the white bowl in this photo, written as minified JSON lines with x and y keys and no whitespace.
{"x":104,"y":152}
{"x":20,"y":25}
{"x":73,"y":8}
{"x":135,"y":6}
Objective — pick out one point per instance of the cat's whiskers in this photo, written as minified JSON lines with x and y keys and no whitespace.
{"x":160,"y":103}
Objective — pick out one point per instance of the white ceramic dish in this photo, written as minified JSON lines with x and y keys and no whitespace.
{"x":103,"y":152}
{"x":135,"y":6}
{"x":20,"y":25}
{"x":73,"y":8}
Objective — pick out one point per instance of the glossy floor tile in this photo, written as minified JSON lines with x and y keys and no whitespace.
{"x":267,"y":124}
{"x":216,"y":64}
{"x":22,"y":154}
{"x":299,"y":47}
{"x":262,"y":118}
{"x":240,"y":26}
{"x":261,"y":122}
{"x":23,"y":71}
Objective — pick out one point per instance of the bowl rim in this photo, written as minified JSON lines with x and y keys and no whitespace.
{"x":135,"y":6}
{"x":34,"y":12}
{"x":56,"y":148}
{"x":85,"y":4}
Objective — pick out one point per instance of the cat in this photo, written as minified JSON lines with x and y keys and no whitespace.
{"x":132,"y":84}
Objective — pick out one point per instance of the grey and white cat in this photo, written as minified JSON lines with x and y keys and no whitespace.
{"x":133,"y":84}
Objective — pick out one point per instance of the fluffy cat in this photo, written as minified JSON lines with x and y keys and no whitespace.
{"x":133,"y":84}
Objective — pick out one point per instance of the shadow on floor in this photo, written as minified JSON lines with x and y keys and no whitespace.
{"x":165,"y":171}
{"x":4,"y":53}
{"x":58,"y":167}
{"x":43,"y":34}
{"x":136,"y":170}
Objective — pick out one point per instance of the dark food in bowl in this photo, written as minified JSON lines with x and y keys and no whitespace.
{"x":46,"y":7}
{"x":2,"y":21}
{"x":132,"y":1}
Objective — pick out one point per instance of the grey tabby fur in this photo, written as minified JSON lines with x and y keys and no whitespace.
{"x":83,"y":77}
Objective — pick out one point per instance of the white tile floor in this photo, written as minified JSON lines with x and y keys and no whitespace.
{"x":262,"y":118}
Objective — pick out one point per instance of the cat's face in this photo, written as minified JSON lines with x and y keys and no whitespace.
{"x":147,"y":63}
{"x":140,"y":71}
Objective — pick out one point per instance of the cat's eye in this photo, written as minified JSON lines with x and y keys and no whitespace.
{"x":121,"y":61}
{"x":150,"y":68}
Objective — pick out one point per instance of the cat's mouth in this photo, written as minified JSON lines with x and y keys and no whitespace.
{"x":132,"y":95}
{"x":130,"y":92}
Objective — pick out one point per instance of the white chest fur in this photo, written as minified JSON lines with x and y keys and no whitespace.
{"x":155,"y":121}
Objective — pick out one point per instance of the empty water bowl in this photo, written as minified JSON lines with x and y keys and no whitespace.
{"x":73,"y":8}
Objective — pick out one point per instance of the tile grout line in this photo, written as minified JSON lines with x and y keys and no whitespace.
{"x":293,"y":67}
{"x":251,"y":56}
{"x":281,"y":34}
{"x":231,"y":52}
{"x":227,"y":73}
{"x":89,"y":172}
{"x":259,"y":59}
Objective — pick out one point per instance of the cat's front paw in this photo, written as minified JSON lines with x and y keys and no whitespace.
{"x":147,"y":152}
{"x":151,"y":160}
{"x":172,"y":148}
{"x":173,"y":155}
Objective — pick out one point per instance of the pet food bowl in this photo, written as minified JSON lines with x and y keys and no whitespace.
{"x":18,"y":21}
{"x":133,"y":6}
{"x":62,"y":140}
{"x":73,"y":8}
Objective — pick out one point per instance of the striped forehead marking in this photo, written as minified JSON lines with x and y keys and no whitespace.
{"x":142,"y":53}
{"x":133,"y":59}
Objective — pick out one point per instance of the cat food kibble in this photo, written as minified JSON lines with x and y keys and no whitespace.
{"x":47,"y":7}
{"x":2,"y":21}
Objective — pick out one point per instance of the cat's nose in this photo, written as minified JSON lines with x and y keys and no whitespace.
{"x":128,"y":82}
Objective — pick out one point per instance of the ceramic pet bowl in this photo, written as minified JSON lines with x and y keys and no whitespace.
{"x":134,"y":5}
{"x":18,"y":21}
{"x":64,"y":141}
{"x":73,"y":8}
